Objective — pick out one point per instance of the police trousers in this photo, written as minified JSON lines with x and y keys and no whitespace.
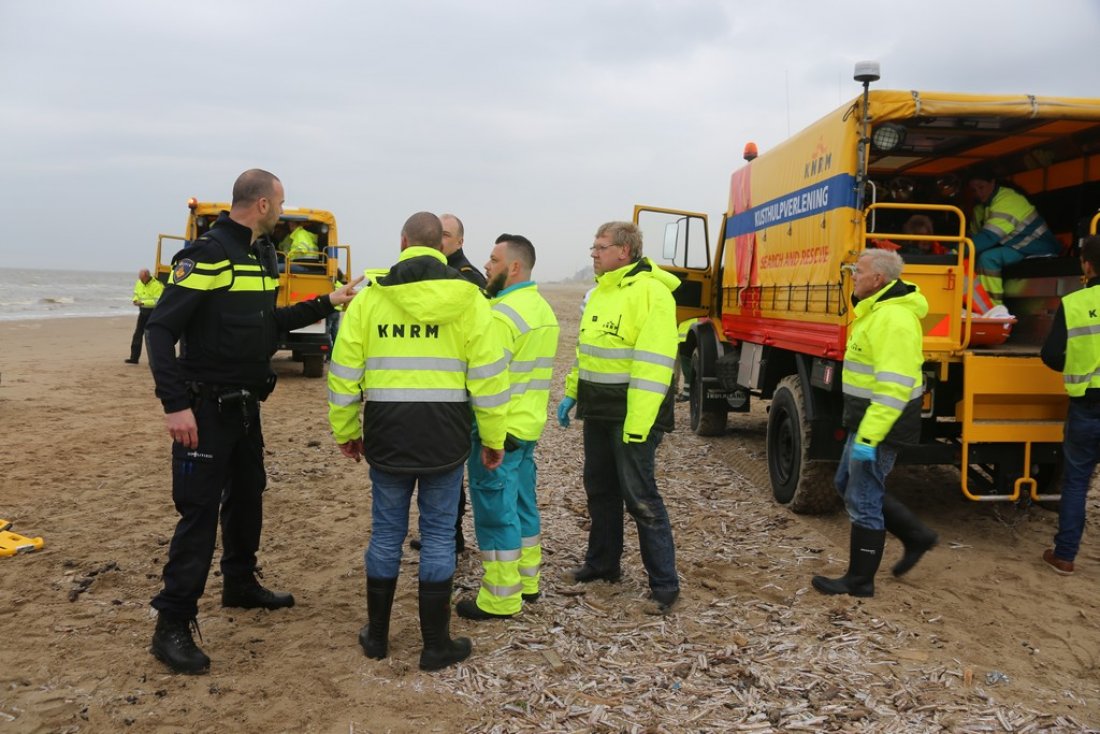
{"x":224,"y":476}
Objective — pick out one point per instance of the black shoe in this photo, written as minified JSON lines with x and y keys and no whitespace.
{"x":375,"y":636}
{"x":864,"y":557}
{"x":531,"y":598}
{"x":174,"y":646}
{"x":435,"y":622}
{"x":917,"y":537}
{"x":468,"y":609}
{"x":131,"y":361}
{"x":586,"y":573}
{"x":665,"y":599}
{"x":250,"y":595}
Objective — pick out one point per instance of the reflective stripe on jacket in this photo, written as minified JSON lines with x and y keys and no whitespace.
{"x":1082,"y":368}
{"x":1008,"y":219}
{"x":529,"y":333}
{"x":883,"y":382}
{"x":626,"y":350}
{"x":417,"y":347}
{"x":147,"y":294}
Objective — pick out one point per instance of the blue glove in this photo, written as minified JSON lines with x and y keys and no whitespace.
{"x":564,"y":407}
{"x":863,"y":452}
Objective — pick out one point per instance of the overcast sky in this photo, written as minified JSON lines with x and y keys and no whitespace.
{"x":542,"y":118}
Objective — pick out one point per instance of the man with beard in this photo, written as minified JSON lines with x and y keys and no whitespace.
{"x":220,"y":306}
{"x":506,"y":516}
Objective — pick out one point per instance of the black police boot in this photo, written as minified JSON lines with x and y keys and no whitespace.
{"x":585,"y":573}
{"x":435,"y":623}
{"x":174,"y":646}
{"x":864,"y":557}
{"x":375,"y":636}
{"x":468,"y":609}
{"x":917,"y":537}
{"x":246,"y":593}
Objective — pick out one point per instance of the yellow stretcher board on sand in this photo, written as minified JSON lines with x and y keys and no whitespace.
{"x":13,"y":543}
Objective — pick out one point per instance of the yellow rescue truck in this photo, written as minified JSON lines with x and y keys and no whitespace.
{"x":773,"y":306}
{"x":306,"y":271}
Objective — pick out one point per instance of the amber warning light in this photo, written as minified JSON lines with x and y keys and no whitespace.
{"x":192,"y":203}
{"x":750,"y":152}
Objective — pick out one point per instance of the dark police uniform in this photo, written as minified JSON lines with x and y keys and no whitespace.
{"x":220,"y":306}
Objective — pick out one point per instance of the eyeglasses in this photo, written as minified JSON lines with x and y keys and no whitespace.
{"x":601,"y":248}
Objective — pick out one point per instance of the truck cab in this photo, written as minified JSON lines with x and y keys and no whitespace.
{"x":304,"y":273}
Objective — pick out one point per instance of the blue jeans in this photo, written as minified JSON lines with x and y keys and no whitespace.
{"x":862,"y":484}
{"x":437,"y":500}
{"x":1081,"y":450}
{"x":617,"y":473}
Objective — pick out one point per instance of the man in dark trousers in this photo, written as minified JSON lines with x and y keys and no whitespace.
{"x":147,"y":290}
{"x":220,"y":306}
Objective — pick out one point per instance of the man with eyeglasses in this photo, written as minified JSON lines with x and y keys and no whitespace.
{"x":621,"y":387}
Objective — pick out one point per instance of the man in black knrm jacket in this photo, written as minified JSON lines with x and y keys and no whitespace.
{"x":220,"y":306}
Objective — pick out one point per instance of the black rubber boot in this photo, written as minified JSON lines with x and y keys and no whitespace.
{"x":435,"y":627}
{"x":917,"y":537}
{"x":174,"y":646}
{"x":864,"y":557}
{"x":246,"y":593}
{"x":375,"y":636}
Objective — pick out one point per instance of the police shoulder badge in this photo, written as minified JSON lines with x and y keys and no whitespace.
{"x":182,"y":270}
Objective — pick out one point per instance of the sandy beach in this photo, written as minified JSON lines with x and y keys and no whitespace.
{"x":979,"y":637}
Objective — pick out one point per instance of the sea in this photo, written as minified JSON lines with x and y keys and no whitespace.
{"x":54,"y":294}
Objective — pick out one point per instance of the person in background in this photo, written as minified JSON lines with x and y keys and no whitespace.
{"x":425,"y":332}
{"x":1005,"y":228}
{"x":921,"y":224}
{"x":882,"y":385}
{"x":147,"y":291}
{"x":300,"y":242}
{"x":1073,"y":348}
{"x":621,"y":386}
{"x":506,"y":515}
{"x":453,"y":237}
{"x":220,"y":307}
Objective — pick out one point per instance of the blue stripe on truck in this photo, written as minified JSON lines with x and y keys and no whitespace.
{"x":834,"y":192}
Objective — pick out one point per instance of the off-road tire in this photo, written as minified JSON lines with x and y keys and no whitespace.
{"x":804,"y":486}
{"x":313,"y":365}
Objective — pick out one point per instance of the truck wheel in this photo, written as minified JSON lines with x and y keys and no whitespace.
{"x":805,"y":486}
{"x":313,"y":365}
{"x":709,"y":422}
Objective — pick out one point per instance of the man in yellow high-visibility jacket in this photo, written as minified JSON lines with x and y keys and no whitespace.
{"x":883,"y":385}
{"x":417,"y":348}
{"x":300,"y":242}
{"x":621,"y":385}
{"x":1073,"y":348}
{"x":1006,"y":228}
{"x":506,"y":516}
{"x":147,"y":291}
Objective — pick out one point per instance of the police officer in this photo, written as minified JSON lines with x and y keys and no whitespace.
{"x":883,"y":385}
{"x":220,"y":306}
{"x":147,"y":290}
{"x":621,"y":385}
{"x":425,"y":333}
{"x":506,"y":516}
{"x":1073,"y":348}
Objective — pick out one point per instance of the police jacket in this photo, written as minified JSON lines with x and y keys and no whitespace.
{"x":1008,"y":219}
{"x":529,"y":332}
{"x":220,"y":306}
{"x":883,"y":382}
{"x":458,"y":261}
{"x":417,"y":347}
{"x":147,"y":294}
{"x":626,"y":350}
{"x":1073,"y":345}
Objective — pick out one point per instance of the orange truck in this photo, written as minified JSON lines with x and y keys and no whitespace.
{"x":765,"y":313}
{"x":301,"y":276}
